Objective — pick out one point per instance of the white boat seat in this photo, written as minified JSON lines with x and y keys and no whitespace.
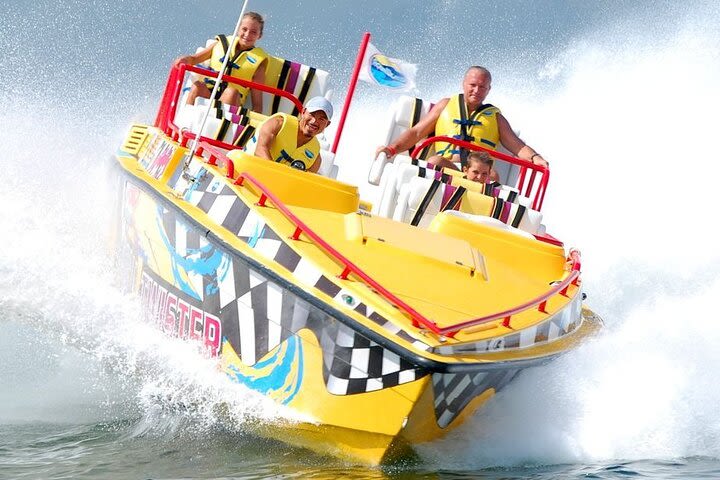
{"x":400,"y":175}
{"x":303,"y":81}
{"x":397,"y":173}
{"x":420,"y":199}
{"x":406,"y":112}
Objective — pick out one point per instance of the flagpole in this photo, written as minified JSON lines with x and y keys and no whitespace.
{"x":351,"y":89}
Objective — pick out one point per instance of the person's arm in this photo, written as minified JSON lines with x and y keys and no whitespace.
{"x":516,"y":146}
{"x":198,"y":57}
{"x":316,"y":166}
{"x":266,"y":135}
{"x":255,"y":94}
{"x":413,"y":135}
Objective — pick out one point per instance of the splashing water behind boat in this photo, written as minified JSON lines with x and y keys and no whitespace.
{"x":621,"y":108}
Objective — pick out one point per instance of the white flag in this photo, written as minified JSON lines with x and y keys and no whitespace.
{"x":387,"y":72}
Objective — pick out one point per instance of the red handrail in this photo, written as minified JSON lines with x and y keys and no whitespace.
{"x":165,"y":103}
{"x":523,"y":164}
{"x":349,"y":267}
{"x":165,"y":119}
{"x":540,"y":301}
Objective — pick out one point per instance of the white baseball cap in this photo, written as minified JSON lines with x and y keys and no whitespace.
{"x":319,"y":103}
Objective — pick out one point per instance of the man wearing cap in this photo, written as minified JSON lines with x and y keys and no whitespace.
{"x":291,"y":140}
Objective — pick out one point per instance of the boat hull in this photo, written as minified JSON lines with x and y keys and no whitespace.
{"x":366,"y":395}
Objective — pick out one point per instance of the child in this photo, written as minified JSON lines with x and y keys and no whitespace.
{"x":247,"y":62}
{"x":479,"y":167}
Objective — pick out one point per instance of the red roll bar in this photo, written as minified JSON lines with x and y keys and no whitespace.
{"x":523,"y":164}
{"x":165,"y":119}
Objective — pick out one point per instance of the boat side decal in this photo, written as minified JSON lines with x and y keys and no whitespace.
{"x":177,"y":314}
{"x":453,"y":391}
{"x":157,"y":157}
{"x":256,"y":314}
{"x":278,"y":376}
{"x":204,"y":262}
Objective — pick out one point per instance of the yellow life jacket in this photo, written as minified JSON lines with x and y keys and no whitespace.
{"x":479,"y":127}
{"x":242,"y":64}
{"x":285,"y":149}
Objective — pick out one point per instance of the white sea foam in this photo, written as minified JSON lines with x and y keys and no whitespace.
{"x":626,"y":116}
{"x":628,"y":126}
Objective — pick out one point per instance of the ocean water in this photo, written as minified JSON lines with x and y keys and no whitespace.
{"x":620,"y":97}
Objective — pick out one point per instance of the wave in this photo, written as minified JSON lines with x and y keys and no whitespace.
{"x":622,"y":103}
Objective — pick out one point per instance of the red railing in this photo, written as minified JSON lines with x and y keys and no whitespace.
{"x":537,"y":199}
{"x":165,"y":119}
{"x":350,"y":268}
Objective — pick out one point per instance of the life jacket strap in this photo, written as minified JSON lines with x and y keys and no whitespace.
{"x":284,"y":156}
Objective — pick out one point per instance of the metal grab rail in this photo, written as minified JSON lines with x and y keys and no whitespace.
{"x":349,"y":267}
{"x":506,"y":315}
{"x":523,"y":164}
{"x":165,"y":119}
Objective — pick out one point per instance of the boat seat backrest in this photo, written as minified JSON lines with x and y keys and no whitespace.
{"x":395,"y":176}
{"x":404,"y":169}
{"x":412,"y":195}
{"x":226,"y":123}
{"x":513,"y":214}
{"x":303,"y":81}
{"x":420,"y":194}
{"x":406,"y":113}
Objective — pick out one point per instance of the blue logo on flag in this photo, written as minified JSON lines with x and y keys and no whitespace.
{"x":385,"y":72}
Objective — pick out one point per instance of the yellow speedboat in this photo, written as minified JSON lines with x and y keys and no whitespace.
{"x":382,"y":332}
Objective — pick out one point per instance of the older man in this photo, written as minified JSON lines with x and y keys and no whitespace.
{"x":466,"y":117}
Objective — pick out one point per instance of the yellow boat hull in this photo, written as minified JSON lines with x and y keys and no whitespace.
{"x":215,"y":263}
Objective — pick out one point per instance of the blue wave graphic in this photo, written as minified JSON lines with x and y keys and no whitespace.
{"x":280,"y":377}
{"x":206,"y":261}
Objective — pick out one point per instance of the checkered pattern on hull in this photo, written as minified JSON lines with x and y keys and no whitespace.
{"x":354,"y":364}
{"x":453,"y":391}
{"x":257,"y":314}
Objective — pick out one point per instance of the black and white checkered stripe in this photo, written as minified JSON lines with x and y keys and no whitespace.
{"x":354,"y":364}
{"x":558,"y":325}
{"x":258,"y":315}
{"x":453,"y":391}
{"x":387,"y":325}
